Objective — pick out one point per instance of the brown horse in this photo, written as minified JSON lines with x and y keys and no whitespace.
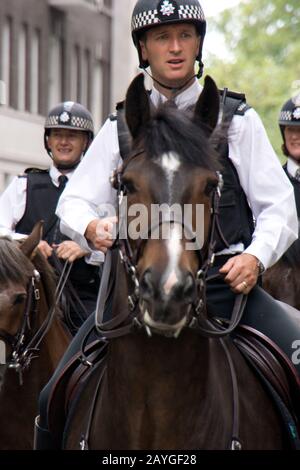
{"x":32,"y":336}
{"x":282,"y":280}
{"x":171,"y":381}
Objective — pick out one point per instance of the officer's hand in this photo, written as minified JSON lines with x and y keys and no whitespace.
{"x":100,"y":233}
{"x":241,"y":273}
{"x":45,"y":249}
{"x":69,"y":250}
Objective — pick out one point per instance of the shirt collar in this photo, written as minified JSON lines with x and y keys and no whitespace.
{"x":183,"y":100}
{"x":292,"y":167}
{"x":55,"y":174}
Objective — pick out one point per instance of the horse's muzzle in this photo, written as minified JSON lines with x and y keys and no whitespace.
{"x":166,"y":311}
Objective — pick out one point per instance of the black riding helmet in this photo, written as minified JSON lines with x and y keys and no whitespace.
{"x":289,"y":116}
{"x":149,"y":13}
{"x":69,"y":115}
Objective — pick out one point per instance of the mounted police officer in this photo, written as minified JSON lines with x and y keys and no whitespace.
{"x":33,"y":196}
{"x":169,"y":37}
{"x":289,"y":123}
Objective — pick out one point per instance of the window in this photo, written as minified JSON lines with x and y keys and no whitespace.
{"x":56,"y":59}
{"x":22,"y":72}
{"x":6,"y":47}
{"x":85,"y":79}
{"x":75,"y":74}
{"x":35,"y":72}
{"x":97,"y":100}
{"x":55,"y":86}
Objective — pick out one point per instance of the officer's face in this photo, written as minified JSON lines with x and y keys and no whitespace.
{"x":292,"y":141}
{"x":66,"y":145}
{"x":171,"y":52}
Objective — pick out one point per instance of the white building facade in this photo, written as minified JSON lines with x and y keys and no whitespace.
{"x":52,"y":51}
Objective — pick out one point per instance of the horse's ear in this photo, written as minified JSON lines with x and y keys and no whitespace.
{"x":137,"y":106}
{"x":32,"y":241}
{"x":208,"y":105}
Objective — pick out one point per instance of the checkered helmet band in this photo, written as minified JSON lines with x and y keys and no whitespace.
{"x":290,"y":112}
{"x":70,"y":115}
{"x":166,"y":11}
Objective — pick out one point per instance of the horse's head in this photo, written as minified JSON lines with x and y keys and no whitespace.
{"x":169,"y":180}
{"x":18,"y":278}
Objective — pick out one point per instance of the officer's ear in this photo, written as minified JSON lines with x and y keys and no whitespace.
{"x":86,"y":143}
{"x":137,"y":106}
{"x":143,"y":50}
{"x":208,"y":105}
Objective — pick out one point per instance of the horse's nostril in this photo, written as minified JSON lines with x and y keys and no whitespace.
{"x":146,"y":285}
{"x":189,"y":288}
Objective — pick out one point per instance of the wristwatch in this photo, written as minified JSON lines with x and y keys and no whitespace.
{"x":261,"y":267}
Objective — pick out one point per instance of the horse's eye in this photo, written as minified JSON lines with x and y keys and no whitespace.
{"x":19,"y":299}
{"x":129,"y":187}
{"x":210,"y":186}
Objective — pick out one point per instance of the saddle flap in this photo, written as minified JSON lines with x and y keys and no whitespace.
{"x":67,"y":380}
{"x":273,"y":364}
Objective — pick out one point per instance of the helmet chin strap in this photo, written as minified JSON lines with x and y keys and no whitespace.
{"x":171,"y":88}
{"x":66,"y":166}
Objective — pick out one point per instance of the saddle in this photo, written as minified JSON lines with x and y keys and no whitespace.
{"x":272,"y":366}
{"x":68,"y":386}
{"x":277,"y":374}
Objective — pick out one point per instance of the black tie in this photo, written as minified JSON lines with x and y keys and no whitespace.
{"x":62,"y":182}
{"x":297,"y":175}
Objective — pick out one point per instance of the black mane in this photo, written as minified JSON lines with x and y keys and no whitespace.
{"x":174,"y":130}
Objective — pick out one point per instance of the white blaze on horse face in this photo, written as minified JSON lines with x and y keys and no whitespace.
{"x":174,"y":252}
{"x":170,"y":163}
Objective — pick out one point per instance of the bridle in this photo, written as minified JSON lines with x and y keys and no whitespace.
{"x":198,"y":320}
{"x":21,"y":357}
{"x":25,"y":348}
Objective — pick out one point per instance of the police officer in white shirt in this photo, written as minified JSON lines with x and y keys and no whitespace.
{"x":168,"y":37}
{"x":33,"y":196}
{"x":289,"y":123}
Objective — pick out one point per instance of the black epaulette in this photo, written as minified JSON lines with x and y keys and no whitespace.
{"x":236,"y":103}
{"x":35,"y":170}
{"x":119,"y":107}
{"x":32,"y":170}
